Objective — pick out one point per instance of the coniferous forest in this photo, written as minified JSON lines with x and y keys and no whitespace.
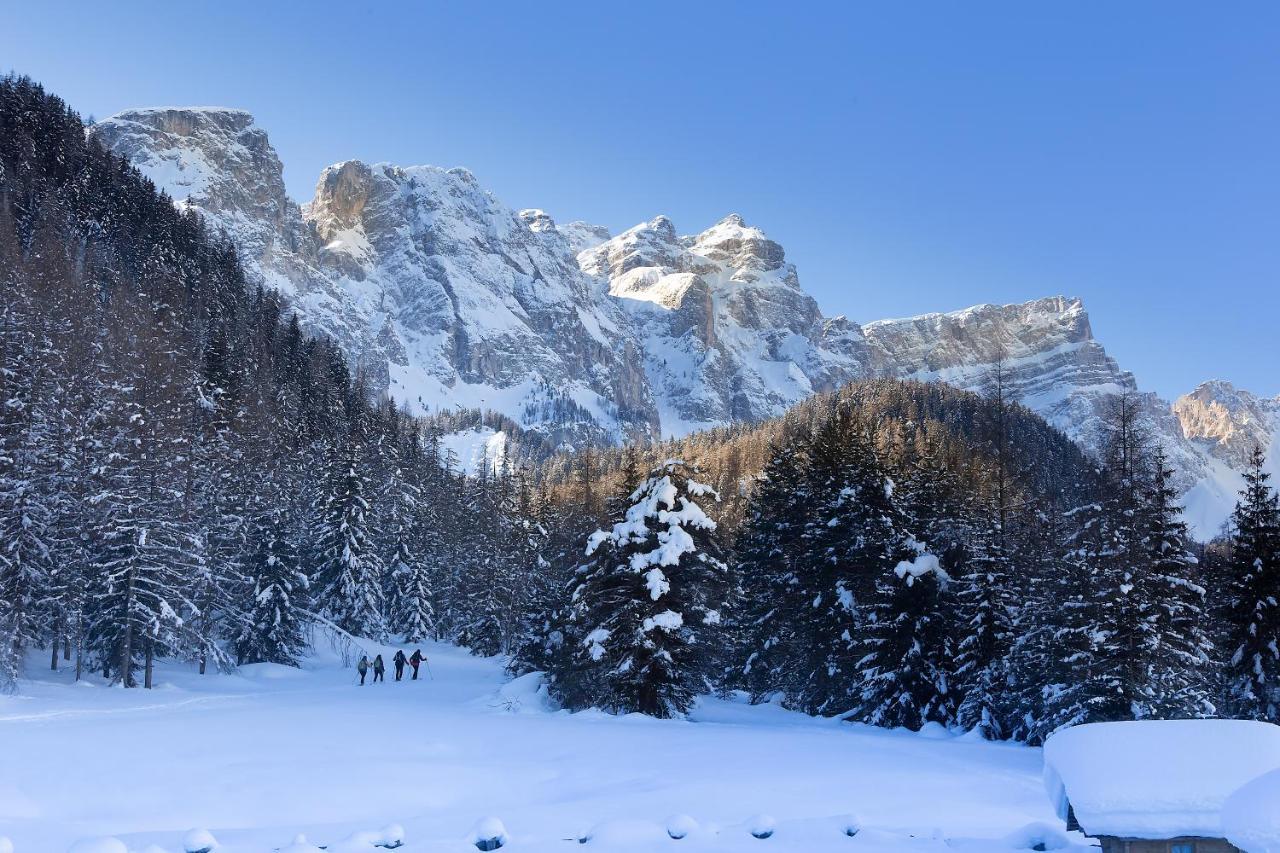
{"x":186,"y":474}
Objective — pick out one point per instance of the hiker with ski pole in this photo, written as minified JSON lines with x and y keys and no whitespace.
{"x":415,"y":660}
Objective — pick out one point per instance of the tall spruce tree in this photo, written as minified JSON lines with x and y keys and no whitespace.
{"x":854,"y":535}
{"x":645,"y":615}
{"x":907,"y":649}
{"x":1183,"y":664}
{"x":349,"y":571}
{"x":1253,"y":670}
{"x":768,"y":555}
{"x":273,"y":628}
{"x":988,"y":602}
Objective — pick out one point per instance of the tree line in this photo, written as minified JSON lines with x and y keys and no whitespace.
{"x":898,"y":572}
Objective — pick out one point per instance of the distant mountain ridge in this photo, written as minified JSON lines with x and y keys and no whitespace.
{"x":446,"y":297}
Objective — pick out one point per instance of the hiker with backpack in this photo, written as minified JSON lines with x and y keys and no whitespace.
{"x":399,"y":660}
{"x":379,"y":670}
{"x":363,"y":668}
{"x":415,"y":660}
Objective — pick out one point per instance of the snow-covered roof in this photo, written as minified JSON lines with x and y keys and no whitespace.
{"x":1156,"y":778}
{"x":1251,"y":816}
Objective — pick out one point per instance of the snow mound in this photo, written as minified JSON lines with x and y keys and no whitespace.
{"x":1251,"y":815}
{"x":489,"y":834}
{"x":526,"y":694}
{"x":1037,"y":836}
{"x":99,"y":845}
{"x":269,"y":671}
{"x":1178,"y":773}
{"x":919,"y":567}
{"x":852,"y":825}
{"x":934,"y":731}
{"x":681,"y":825}
{"x":199,"y":841}
{"x":392,"y":836}
{"x":389,"y":837}
{"x":300,"y":845}
{"x":762,"y":826}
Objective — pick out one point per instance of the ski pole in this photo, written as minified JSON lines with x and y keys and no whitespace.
{"x":430,"y":674}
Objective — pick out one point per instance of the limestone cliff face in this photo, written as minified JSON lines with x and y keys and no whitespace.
{"x":1228,"y":422}
{"x":436,"y":290}
{"x":488,"y":305}
{"x":727,"y":331}
{"x":1046,"y":349}
{"x":445,"y":297}
{"x":219,"y":162}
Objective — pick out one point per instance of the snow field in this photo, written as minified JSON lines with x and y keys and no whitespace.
{"x":257,"y":757}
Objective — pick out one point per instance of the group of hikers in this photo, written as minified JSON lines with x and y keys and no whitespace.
{"x":379,"y":668}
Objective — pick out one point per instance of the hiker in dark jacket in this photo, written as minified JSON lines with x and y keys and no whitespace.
{"x":415,"y":661}
{"x":379,"y":669}
{"x":363,"y":668}
{"x":399,"y":660}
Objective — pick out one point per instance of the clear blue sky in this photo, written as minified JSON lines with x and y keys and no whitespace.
{"x":909,"y":156}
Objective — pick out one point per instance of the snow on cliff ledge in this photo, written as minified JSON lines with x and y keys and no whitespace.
{"x":1156,"y":778}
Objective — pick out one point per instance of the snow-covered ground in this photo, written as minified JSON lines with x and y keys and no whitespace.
{"x":474,"y":450}
{"x":262,"y":755}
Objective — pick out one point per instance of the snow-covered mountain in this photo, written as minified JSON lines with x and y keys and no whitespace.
{"x":1223,"y":424}
{"x":446,"y":297}
{"x":437,"y":291}
{"x":726,"y":331}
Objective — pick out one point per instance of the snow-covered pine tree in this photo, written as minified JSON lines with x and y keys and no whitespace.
{"x":907,"y":648}
{"x":349,"y":572}
{"x":767,"y":555}
{"x":273,"y":627}
{"x":146,"y":555}
{"x":404,"y":521}
{"x":1253,"y":669}
{"x":486,"y":593}
{"x":536,"y":592}
{"x":853,"y":537}
{"x":1109,"y":634}
{"x":988,"y":608}
{"x":26,"y":562}
{"x":646,"y":612}
{"x":218,"y":488}
{"x":1183,"y":661}
{"x":541,"y":644}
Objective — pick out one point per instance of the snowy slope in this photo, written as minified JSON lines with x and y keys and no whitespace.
{"x":260,"y":756}
{"x":445,"y":297}
{"x":473,"y":450}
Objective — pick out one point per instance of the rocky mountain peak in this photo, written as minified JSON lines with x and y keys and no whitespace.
{"x":1229,"y":421}
{"x":538,"y":220}
{"x":214,"y":158}
{"x":340,"y":198}
{"x":735,"y":244}
{"x":652,"y":244}
{"x":583,"y":235}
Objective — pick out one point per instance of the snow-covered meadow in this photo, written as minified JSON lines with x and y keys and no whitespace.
{"x":270,"y":752}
